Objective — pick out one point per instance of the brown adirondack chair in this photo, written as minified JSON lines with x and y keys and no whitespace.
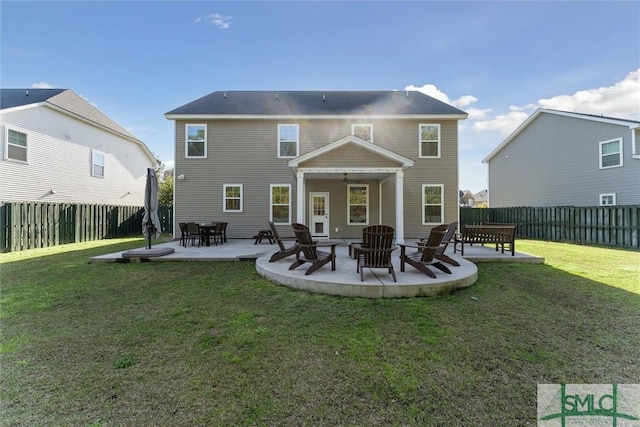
{"x":309,"y":251}
{"x":284,"y":251}
{"x":425,"y":254}
{"x":448,"y":235}
{"x":375,"y":250}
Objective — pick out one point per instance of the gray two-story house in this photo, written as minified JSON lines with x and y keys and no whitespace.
{"x":560,"y":158}
{"x":335,"y":161}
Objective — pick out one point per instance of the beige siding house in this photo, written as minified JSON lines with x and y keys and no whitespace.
{"x":336,"y":161}
{"x":57,"y":147}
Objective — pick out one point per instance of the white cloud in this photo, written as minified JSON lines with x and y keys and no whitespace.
{"x":504,"y":123}
{"x":622,"y":100}
{"x":43,"y":85}
{"x":216,"y":19}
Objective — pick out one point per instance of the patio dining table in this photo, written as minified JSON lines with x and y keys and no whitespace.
{"x":206,"y":231}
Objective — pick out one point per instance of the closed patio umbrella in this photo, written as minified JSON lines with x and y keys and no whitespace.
{"x":150,"y":220}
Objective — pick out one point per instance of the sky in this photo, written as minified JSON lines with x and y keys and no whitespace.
{"x":497,"y":60}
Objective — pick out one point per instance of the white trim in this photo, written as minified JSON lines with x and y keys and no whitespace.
{"x":423,"y":204}
{"x":95,"y":153}
{"x":17,"y":129}
{"x":635,"y":150}
{"x":369,"y":125}
{"x":558,"y":113}
{"x":349,"y":186}
{"x":297,"y":140}
{"x":404,"y":161}
{"x":439,"y":141}
{"x":600,"y":144}
{"x":315,"y":116}
{"x":224,"y":197}
{"x":271,"y":187}
{"x":612,"y":195}
{"x":186,"y":141}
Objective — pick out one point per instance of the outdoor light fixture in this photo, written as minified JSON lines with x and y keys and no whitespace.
{"x":180,"y":177}
{"x":52,"y":191}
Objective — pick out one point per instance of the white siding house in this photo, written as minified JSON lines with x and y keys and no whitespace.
{"x":56,"y":147}
{"x":559,"y":158}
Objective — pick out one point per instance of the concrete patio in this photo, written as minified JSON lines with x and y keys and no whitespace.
{"x":344,"y":281}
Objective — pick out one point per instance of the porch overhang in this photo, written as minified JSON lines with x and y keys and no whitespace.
{"x":401,"y":161}
{"x":379,"y":164}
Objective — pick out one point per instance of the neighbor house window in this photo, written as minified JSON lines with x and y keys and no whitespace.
{"x":364,"y":132}
{"x":429,"y":140}
{"x":358,"y":204}
{"x":432,"y":203}
{"x":608,"y":199}
{"x":232,"y":198}
{"x":635,"y":142}
{"x":280,"y":203}
{"x":196,"y":141}
{"x":16,"y":146}
{"x":288,"y":140}
{"x":611,"y":153}
{"x":97,"y":164}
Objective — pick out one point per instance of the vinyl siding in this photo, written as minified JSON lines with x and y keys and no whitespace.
{"x":59,"y":158}
{"x":555,"y":162}
{"x":245,"y":152}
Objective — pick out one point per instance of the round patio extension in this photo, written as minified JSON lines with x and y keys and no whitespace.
{"x":378,"y":283}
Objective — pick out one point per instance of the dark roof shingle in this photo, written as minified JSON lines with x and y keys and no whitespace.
{"x":316,"y":103}
{"x":10,"y":98}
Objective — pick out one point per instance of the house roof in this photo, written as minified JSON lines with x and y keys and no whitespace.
{"x":67,"y":102}
{"x":593,"y":117}
{"x":323,"y":104}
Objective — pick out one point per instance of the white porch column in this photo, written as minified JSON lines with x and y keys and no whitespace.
{"x":300,"y":198}
{"x":399,"y":206}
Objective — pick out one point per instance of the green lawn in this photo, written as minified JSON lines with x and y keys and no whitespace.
{"x":183,"y":344}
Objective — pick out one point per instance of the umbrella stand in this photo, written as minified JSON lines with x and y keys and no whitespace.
{"x":148,"y":203}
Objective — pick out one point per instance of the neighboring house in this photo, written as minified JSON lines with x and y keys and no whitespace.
{"x":336,"y":161}
{"x":56,"y":147}
{"x":480,"y":199}
{"x":559,"y":158}
{"x":466,"y":198}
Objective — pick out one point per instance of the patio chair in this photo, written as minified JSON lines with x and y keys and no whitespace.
{"x":448,"y":235}
{"x":309,"y":251}
{"x":183,"y":234}
{"x":375,"y":250}
{"x":284,"y":251}
{"x":425,"y":254}
{"x":218,"y":233}
{"x":193,"y":233}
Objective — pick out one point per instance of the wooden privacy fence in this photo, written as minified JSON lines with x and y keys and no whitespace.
{"x":28,"y":225}
{"x":596,"y":225}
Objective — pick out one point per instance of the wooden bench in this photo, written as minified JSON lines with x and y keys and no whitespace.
{"x":493,"y":233}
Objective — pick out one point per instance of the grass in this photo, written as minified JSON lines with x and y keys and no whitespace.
{"x":187,"y":344}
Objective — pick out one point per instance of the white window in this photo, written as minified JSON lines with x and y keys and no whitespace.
{"x":429,"y":140}
{"x":432,"y":203}
{"x":232,"y":198}
{"x":288,"y":138}
{"x":15,"y":146}
{"x":611,"y":153}
{"x":358,"y":204}
{"x":280,"y":212}
{"x":97,"y":163}
{"x":196,"y":141}
{"x":608,"y":199}
{"x":363,"y":131}
{"x":635,"y":142}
